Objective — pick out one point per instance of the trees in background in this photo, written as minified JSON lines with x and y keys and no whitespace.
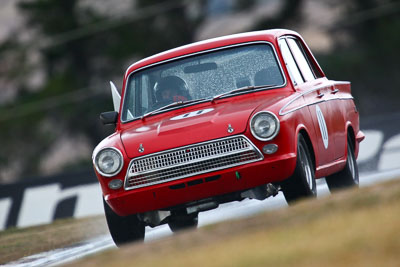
{"x":80,"y":49}
{"x":369,"y":56}
{"x":74,"y":50}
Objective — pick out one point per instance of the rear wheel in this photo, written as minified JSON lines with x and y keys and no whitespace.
{"x":123,"y":229}
{"x":348,"y":177}
{"x":182,"y":222}
{"x":302,"y":183}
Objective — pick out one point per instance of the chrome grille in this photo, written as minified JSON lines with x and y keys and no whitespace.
{"x":190,"y":160}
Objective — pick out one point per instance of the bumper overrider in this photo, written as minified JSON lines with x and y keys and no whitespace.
{"x":195,"y":172}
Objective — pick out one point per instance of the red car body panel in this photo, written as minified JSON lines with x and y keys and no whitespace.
{"x":294,"y":105}
{"x":209,"y":126}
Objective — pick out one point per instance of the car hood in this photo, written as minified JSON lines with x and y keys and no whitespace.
{"x":190,"y":125}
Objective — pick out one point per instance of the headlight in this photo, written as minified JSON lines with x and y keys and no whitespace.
{"x":108,"y":161}
{"x":264,"y":125}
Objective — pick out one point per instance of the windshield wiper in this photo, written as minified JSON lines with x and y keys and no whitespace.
{"x":173,"y":104}
{"x":245,"y":88}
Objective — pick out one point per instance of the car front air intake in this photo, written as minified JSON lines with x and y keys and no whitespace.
{"x":190,"y":160}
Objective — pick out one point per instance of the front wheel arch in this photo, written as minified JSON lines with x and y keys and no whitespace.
{"x":302,"y":182}
{"x":310,"y":147}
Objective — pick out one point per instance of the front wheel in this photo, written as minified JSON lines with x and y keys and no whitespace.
{"x":123,"y":229}
{"x":348,"y":177}
{"x":179,"y":223}
{"x":302,"y":183}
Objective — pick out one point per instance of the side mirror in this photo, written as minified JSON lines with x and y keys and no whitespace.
{"x":109,"y":117}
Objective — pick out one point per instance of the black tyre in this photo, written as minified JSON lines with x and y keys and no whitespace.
{"x":348,"y":177}
{"x":179,"y":223}
{"x":302,"y":183}
{"x":123,"y":229}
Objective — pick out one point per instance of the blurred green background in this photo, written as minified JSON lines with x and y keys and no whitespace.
{"x":57,"y":57}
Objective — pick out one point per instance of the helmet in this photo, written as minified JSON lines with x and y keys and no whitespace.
{"x":177,"y":87}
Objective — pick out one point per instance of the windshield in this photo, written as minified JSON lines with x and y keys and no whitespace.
{"x":201,"y":76}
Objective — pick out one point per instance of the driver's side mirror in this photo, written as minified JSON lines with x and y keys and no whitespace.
{"x":109,"y":117}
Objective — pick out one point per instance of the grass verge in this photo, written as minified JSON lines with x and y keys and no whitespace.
{"x":348,"y":228}
{"x":17,"y":243}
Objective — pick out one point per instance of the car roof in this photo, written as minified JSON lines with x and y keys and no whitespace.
{"x":265,"y":35}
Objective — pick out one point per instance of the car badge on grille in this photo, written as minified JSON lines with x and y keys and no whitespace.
{"x":230,"y":129}
{"x":141,"y":148}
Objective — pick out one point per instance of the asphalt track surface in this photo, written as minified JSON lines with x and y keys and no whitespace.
{"x":224,"y":212}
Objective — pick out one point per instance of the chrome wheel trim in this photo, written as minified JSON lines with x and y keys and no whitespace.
{"x":351,"y":163}
{"x":306,"y":167}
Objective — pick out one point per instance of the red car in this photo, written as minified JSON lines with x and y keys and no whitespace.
{"x":235,"y":117}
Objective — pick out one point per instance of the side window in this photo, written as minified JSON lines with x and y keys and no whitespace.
{"x":290,"y":63}
{"x":301,"y":60}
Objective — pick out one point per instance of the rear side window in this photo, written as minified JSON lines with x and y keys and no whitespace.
{"x":301,"y":60}
{"x":291,"y":65}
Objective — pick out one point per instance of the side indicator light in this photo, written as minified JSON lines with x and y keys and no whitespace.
{"x":115,"y":184}
{"x":270,"y":149}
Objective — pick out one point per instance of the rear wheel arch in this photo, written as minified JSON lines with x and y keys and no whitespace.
{"x":351,"y":136}
{"x":348,"y":177}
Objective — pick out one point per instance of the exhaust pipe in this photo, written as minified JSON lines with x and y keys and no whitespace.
{"x":261,"y":192}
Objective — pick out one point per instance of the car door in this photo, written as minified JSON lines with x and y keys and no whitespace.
{"x":315,"y":89}
{"x":338,"y":119}
{"x":331,"y":97}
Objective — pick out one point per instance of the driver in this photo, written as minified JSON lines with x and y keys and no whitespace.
{"x":171,"y":89}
